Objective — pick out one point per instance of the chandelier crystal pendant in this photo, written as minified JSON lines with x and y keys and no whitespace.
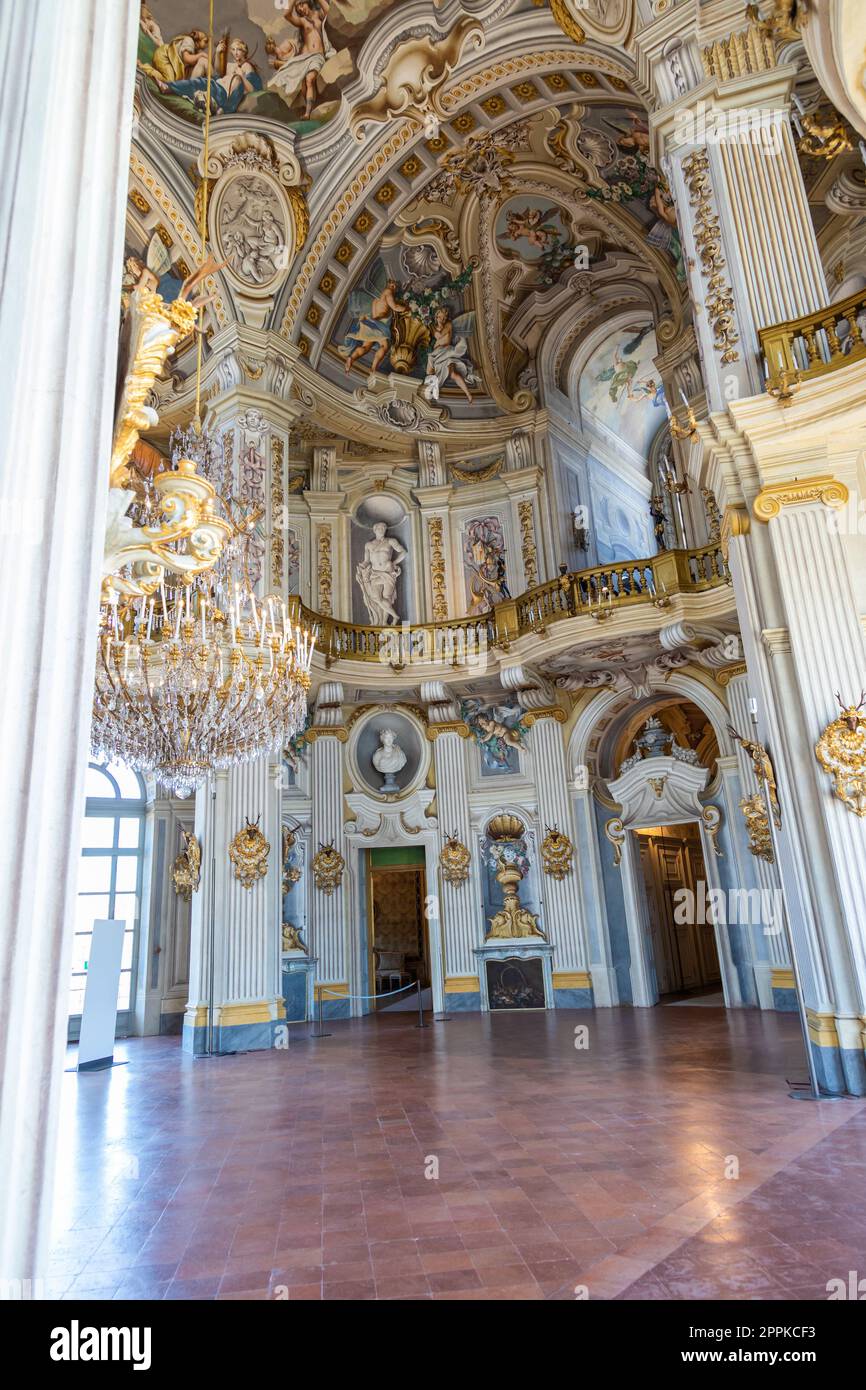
{"x":184,"y":691}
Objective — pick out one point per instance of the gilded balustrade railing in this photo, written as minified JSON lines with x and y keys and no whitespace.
{"x":816,"y":343}
{"x":466,"y":641}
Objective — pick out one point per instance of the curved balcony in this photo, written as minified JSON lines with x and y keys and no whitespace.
{"x":593,"y":593}
{"x":816,"y":343}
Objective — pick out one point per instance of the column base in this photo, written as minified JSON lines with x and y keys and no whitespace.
{"x":250,"y":1027}
{"x":462,"y":994}
{"x":572,"y":989}
{"x":838,"y":1053}
{"x":783,"y":991}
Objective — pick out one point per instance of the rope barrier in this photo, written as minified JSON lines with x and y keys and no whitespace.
{"x":321,"y":990}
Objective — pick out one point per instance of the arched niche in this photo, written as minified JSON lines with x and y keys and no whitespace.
{"x":374,"y":510}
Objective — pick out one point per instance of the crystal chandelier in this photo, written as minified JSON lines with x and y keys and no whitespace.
{"x":182,"y":689}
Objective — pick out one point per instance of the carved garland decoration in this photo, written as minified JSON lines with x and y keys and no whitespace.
{"x":325,"y":575}
{"x":328,"y":865}
{"x":437,"y":569}
{"x":527,"y":537}
{"x":708,"y":240}
{"x":278,"y":500}
{"x":841,"y":751}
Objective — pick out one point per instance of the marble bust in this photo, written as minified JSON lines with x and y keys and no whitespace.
{"x":388,"y":759}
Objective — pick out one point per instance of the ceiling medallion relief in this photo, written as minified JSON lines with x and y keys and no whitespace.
{"x":258,"y":216}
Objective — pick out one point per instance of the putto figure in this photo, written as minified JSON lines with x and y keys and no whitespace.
{"x":298,"y":64}
{"x":377,"y":576}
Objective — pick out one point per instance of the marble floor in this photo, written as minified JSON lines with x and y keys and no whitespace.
{"x":301,"y":1174}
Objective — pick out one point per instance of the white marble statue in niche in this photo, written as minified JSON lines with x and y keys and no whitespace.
{"x":377,"y":576}
{"x":388,"y":759}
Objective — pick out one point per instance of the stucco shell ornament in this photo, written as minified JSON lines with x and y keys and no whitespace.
{"x":841,"y":751}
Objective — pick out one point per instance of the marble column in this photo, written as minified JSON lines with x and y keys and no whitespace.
{"x":328,"y":936}
{"x":64,"y":138}
{"x":244,"y":924}
{"x":460,"y":913}
{"x":829,"y":655}
{"x":722,"y":135}
{"x":563,"y":908}
{"x":773,"y":976}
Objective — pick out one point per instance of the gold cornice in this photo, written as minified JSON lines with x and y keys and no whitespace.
{"x":801,"y":491}
{"x":452,"y":726}
{"x":336,"y":731}
{"x":550,"y":712}
{"x":725,"y":677}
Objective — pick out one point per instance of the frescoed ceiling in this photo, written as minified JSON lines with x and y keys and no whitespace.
{"x":460,"y":199}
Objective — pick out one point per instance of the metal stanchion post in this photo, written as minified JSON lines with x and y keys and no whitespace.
{"x":420,"y":1023}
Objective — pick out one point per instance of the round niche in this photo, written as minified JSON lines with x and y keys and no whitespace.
{"x":388,"y":754}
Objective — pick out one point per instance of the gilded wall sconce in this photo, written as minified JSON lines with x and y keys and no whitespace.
{"x":248,"y":853}
{"x":328,"y":865}
{"x":454,"y":860}
{"x":556,"y":852}
{"x":841,"y":751}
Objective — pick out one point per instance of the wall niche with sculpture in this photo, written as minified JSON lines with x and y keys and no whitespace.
{"x":389,"y":754}
{"x":381,"y":563}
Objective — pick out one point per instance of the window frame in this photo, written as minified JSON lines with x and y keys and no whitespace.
{"x":115,"y":808}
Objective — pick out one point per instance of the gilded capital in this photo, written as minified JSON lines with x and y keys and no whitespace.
{"x":798,"y":493}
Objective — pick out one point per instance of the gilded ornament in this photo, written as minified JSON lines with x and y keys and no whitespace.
{"x":186,"y":870}
{"x":292,"y":938}
{"x":325,"y":574}
{"x":278,"y":507}
{"x":763,"y":770}
{"x":435,"y":533}
{"x":328,"y":865}
{"x":512,"y":920}
{"x":825,"y":488}
{"x":477,"y":475}
{"x":248,"y":853}
{"x":454,"y":860}
{"x":556,"y":853}
{"x":754,"y":809}
{"x":712,"y":819}
{"x":291,"y":873}
{"x":615,"y":832}
{"x":841,"y":751}
{"x":708,"y":240}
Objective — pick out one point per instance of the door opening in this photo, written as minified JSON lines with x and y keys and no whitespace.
{"x":685,"y":954}
{"x":398,"y":939}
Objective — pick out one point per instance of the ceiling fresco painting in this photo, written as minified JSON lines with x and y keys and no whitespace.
{"x":620,"y":387}
{"x":289,"y":62}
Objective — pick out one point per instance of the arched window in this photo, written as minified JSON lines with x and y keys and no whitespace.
{"x":109,"y":876}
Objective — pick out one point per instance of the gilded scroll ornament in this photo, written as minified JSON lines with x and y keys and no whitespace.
{"x":186,"y":870}
{"x":328,"y":865}
{"x":615,"y":832}
{"x":412,"y":80}
{"x":708,"y":241}
{"x":825,"y":488}
{"x":454,"y":860}
{"x":556,"y":853}
{"x":841,"y":751}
